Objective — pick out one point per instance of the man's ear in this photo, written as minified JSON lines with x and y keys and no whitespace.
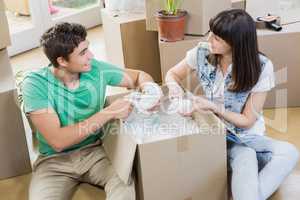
{"x":62,"y":61}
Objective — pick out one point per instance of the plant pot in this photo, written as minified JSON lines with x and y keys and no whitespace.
{"x":171,"y":27}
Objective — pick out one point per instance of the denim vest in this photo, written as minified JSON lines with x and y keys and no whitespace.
{"x":233,"y":101}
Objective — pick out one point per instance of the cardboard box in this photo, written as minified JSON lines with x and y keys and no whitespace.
{"x":13,"y":147}
{"x":129,"y":45}
{"x":199,"y":13}
{"x":238,"y":4}
{"x":4,"y":31}
{"x":172,"y":53}
{"x":18,"y":6}
{"x":6,"y":75}
{"x":289,"y":11}
{"x":183,"y":166}
{"x":2,"y":6}
{"x":283,"y":49}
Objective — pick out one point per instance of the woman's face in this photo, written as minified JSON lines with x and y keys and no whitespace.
{"x":218,"y":45}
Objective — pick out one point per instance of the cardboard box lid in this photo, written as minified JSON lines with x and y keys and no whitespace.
{"x":6,"y":75}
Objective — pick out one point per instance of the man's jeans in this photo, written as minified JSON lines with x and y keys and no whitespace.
{"x":56,"y":177}
{"x":259,"y":164}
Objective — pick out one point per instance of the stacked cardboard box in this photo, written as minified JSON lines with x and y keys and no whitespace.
{"x":129,"y":45}
{"x":277,"y":47}
{"x":13,"y":147}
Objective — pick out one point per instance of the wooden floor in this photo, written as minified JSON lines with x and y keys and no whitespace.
{"x":281,"y":124}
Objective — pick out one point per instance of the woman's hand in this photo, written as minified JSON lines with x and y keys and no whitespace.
{"x":175,"y":91}
{"x":203,"y":104}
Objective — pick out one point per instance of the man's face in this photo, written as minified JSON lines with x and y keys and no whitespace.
{"x":80,"y":59}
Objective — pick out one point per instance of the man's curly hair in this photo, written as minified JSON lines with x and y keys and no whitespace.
{"x":61,"y":40}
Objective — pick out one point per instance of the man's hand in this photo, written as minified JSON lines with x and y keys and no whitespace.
{"x":120,"y":109}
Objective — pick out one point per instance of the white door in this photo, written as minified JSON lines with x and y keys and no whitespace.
{"x":25,"y":24}
{"x":28,"y":19}
{"x":85,"y":12}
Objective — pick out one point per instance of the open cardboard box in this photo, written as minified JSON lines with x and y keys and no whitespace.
{"x":180,"y":167}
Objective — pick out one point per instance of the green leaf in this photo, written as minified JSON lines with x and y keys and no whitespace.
{"x":172,"y":6}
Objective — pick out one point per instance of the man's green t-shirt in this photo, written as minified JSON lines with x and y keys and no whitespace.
{"x":42,"y":90}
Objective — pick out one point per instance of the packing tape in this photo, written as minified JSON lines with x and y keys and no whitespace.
{"x":182,"y":144}
{"x":189,"y":198}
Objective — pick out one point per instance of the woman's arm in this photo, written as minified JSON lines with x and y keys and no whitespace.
{"x":251,"y":112}
{"x":174,"y":77}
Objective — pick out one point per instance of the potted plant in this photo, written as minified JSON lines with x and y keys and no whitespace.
{"x":171,"y":21}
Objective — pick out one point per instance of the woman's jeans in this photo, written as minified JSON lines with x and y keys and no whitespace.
{"x":259,"y":164}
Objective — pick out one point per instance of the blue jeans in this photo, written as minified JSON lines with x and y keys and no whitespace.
{"x":259,"y":164}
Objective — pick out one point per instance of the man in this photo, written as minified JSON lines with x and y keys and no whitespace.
{"x":65,"y":102}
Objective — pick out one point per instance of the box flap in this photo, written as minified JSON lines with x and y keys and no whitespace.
{"x":14,"y":153}
{"x":120,"y":149}
{"x":7,"y":81}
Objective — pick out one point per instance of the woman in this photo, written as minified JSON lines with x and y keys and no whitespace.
{"x":231,"y":69}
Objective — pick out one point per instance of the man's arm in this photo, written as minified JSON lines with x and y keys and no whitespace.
{"x":135,"y":79}
{"x":59,"y":138}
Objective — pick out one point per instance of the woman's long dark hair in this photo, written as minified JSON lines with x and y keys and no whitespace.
{"x":237,"y":28}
